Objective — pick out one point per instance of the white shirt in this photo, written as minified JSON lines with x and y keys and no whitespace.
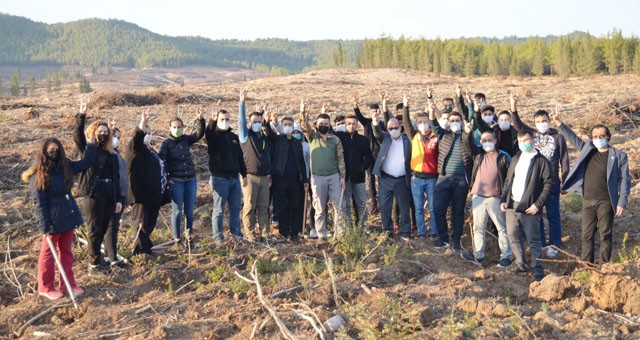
{"x":394,"y":163}
{"x":520,"y":174}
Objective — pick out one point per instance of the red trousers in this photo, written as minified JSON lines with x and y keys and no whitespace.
{"x":47,"y":264}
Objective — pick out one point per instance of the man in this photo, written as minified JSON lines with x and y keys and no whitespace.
{"x":226,"y":164}
{"x":393,"y":169}
{"x":340,"y":123}
{"x":528,"y":185}
{"x":553,"y":146}
{"x":357,"y":159}
{"x":327,"y":173}
{"x":290,"y":180}
{"x":424,"y":168}
{"x":489,"y":173}
{"x":506,"y":135}
{"x":455,"y":163}
{"x":374,"y":108}
{"x":256,"y":149}
{"x":601,"y":175}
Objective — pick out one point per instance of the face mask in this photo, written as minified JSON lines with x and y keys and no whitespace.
{"x":542,"y":127}
{"x":323,"y":129}
{"x":525,"y":147}
{"x":102,"y":138}
{"x":223,"y":125}
{"x":488,"y":146}
{"x":447,"y":109}
{"x":256,"y":127}
{"x":394,"y":133}
{"x":115,"y":141}
{"x":482,"y":104}
{"x":287,"y":130}
{"x":177,"y":132}
{"x":423,"y":128}
{"x":504,"y":126}
{"x":53,"y":155}
{"x":341,"y":128}
{"x":487,"y":119}
{"x":599,"y":143}
{"x":455,"y":127}
{"x":297,"y":136}
{"x":147,"y":139}
{"x":443,"y":123}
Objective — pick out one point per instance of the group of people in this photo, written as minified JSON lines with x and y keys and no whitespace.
{"x":265,"y":171}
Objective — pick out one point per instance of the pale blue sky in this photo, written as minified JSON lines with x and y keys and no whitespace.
{"x":333,"y":19}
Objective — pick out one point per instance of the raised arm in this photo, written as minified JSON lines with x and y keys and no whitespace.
{"x":566,"y":131}
{"x":362,"y":119}
{"x":243,"y":131}
{"x":88,"y":159}
{"x":378,"y":134}
{"x":200,"y":126}
{"x":406,"y":119}
{"x":304,"y":122}
{"x":518,"y":124}
{"x":435,"y":126}
{"x":78,"y":130}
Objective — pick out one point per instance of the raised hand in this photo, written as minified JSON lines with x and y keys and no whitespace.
{"x":199,"y":112}
{"x":458,"y":90}
{"x":405,"y":100}
{"x":324,"y":108}
{"x":355,"y":102}
{"x":468,"y":127}
{"x":467,"y":94}
{"x":144,"y":118}
{"x":555,"y":116}
{"x":430,"y":107}
{"x":303,"y":106}
{"x":112,"y":123}
{"x":84,"y":103}
{"x":430,"y":91}
{"x":243,"y":94}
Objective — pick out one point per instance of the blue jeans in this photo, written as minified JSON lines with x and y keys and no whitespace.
{"x":226,"y":190}
{"x":419,"y":188}
{"x":451,"y":191}
{"x":552,"y":207}
{"x":183,"y":196}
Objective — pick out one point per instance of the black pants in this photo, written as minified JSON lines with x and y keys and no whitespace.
{"x":111,"y":236}
{"x":597,"y":216}
{"x":373,"y":193}
{"x":289,"y":193}
{"x":396,"y":212}
{"x":390,"y":188}
{"x":100,"y":214}
{"x":146,"y":217}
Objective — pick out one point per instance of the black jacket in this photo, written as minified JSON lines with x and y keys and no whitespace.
{"x":357,"y":155}
{"x":176,"y":153}
{"x":507,"y":140}
{"x":225,"y":154}
{"x":145,"y":171}
{"x":88,"y":178}
{"x":374,"y":145}
{"x":504,"y":160}
{"x":282,"y":147}
{"x":56,"y":209}
{"x":539,"y":182}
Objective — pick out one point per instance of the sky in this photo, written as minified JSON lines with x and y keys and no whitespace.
{"x":343,"y":19}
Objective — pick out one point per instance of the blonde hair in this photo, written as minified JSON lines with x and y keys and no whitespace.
{"x":92,"y":131}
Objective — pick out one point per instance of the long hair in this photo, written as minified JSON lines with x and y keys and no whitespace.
{"x":42,"y":167}
{"x":92,"y":131}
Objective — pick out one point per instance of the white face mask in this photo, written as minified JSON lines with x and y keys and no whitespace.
{"x":488,"y":146}
{"x":223,"y":125}
{"x":116,"y":142}
{"x":341,"y":128}
{"x":423,"y":128}
{"x":455,"y":127}
{"x":147,"y":139}
{"x":256,"y":127}
{"x":487,"y":119}
{"x":444,"y":123}
{"x":395,"y":133}
{"x":504,"y":126}
{"x":542,"y":127}
{"x":287,"y":130}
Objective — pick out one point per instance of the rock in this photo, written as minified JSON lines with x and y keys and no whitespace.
{"x":551,"y":288}
{"x":481,"y":274}
{"x":334,"y":323}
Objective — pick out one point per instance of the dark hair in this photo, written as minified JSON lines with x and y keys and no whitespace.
{"x":351,"y":117}
{"x":339,"y":119}
{"x":455,"y":113}
{"x":447,"y":99}
{"x":422,"y":114}
{"x":42,"y":168}
{"x":489,"y":108}
{"x":398,"y":117}
{"x":541,"y":113}
{"x":490,"y":132}
{"x":287,"y":118}
{"x":255,"y":113}
{"x":323,"y":116}
{"x":374,"y":106}
{"x":116,"y":130}
{"x":480,"y":95}
{"x":223,"y":111}
{"x":523,"y":133}
{"x":606,"y":130}
{"x":176,"y":119}
{"x":399,"y":106}
{"x":504,"y":112}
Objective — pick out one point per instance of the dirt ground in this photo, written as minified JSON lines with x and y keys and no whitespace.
{"x":379,"y":288}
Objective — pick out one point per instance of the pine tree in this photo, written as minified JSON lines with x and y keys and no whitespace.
{"x":585,"y":57}
{"x":84,"y":85}
{"x":613,"y":51}
{"x":15,"y":85}
{"x":562,"y":57}
{"x":537,"y":63}
{"x":636,"y":60}
{"x":338,"y":56}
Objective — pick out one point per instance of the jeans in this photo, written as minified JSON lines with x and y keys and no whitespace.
{"x":359,"y":193}
{"x":421,"y":187}
{"x":450,"y":191}
{"x":597,"y":216}
{"x":521,"y":228}
{"x":388,"y":188}
{"x":484,"y":208}
{"x":226,"y":190}
{"x":183,"y":196}
{"x":552,"y":207}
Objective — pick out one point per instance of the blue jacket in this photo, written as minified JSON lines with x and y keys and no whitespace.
{"x":385,"y":144}
{"x":57,"y":210}
{"x":618,"y":177}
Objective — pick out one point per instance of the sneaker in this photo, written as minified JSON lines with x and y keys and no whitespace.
{"x":313,"y":234}
{"x":471,"y":258}
{"x":439,"y":244}
{"x":539,"y":276}
{"x":520,"y":269}
{"x":52,"y":295}
{"x":504,"y":263}
{"x":324,"y":236}
{"x":455,"y":246}
{"x":552,"y":253}
{"x":77,"y":291}
{"x":405,"y":238}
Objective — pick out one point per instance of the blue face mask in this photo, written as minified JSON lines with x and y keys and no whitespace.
{"x":525,"y":147}
{"x":599,"y":143}
{"x":256,"y":127}
{"x":297,"y":136}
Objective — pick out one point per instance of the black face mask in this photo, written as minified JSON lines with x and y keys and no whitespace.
{"x":323,"y":129}
{"x":447,"y":109}
{"x":102,"y":138}
{"x":53,"y":156}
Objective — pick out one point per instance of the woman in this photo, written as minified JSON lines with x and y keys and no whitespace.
{"x":58,"y":215}
{"x":112,"y":231}
{"x":175,"y":152}
{"x":149,"y":184}
{"x":99,"y":184}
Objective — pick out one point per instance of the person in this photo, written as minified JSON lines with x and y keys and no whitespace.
{"x":149,"y":184}
{"x":506,"y":135}
{"x":374,"y":108}
{"x":424,"y":168}
{"x":58,"y":215}
{"x":327,"y":173}
{"x":528,"y":185}
{"x":226,"y":165}
{"x":553,"y":146}
{"x":393,"y":169}
{"x":256,"y":150}
{"x":298,"y":134}
{"x":601,"y":175}
{"x":176,"y":155}
{"x":112,"y":231}
{"x":290,"y":179}
{"x":490,"y":168}
{"x":357,"y":159}
{"x":455,"y":163}
{"x":99,"y":185}
{"x":340,"y":123}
